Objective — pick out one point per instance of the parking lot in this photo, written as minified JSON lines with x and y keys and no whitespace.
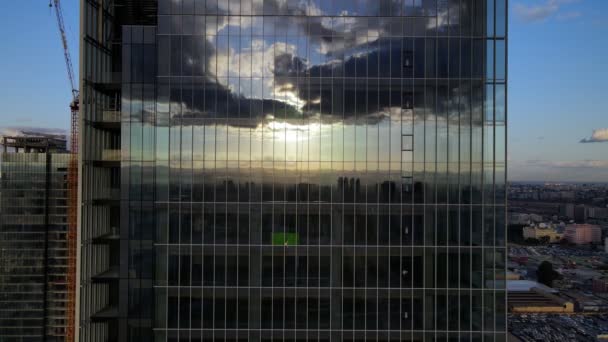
{"x":554,"y":250}
{"x":558,"y":328}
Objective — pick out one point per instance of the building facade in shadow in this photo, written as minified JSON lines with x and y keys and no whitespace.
{"x":314,"y":170}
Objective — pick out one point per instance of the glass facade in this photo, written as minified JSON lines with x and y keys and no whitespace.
{"x":33,"y":250}
{"x":316,"y":170}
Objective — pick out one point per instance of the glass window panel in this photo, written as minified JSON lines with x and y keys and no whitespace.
{"x":164,"y":6}
{"x":501,"y":18}
{"x":500,"y":103}
{"x":489,"y":104}
{"x":501,"y":60}
{"x":164,"y":24}
{"x":490,"y":59}
{"x":490,"y":18}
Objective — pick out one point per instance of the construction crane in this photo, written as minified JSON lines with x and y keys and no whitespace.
{"x":66,"y":51}
{"x":72,"y":233}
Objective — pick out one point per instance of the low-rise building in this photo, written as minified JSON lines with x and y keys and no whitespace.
{"x":525,"y":296}
{"x":540,"y":231}
{"x":512,"y":276}
{"x":586,"y":301}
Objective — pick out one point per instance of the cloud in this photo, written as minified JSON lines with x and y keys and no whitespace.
{"x":542,"y":11}
{"x":285,"y":75}
{"x":23,"y":131}
{"x":599,"y":135}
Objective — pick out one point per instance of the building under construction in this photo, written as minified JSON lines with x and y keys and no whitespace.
{"x":33,"y":238}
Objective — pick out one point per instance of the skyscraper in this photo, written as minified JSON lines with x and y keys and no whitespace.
{"x":33,"y":245}
{"x":316,"y":170}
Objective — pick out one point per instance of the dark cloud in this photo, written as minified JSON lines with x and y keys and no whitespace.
{"x":342,"y":48}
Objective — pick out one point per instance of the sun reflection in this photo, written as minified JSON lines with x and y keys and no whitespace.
{"x":288,"y":132}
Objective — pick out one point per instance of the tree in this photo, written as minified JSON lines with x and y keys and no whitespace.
{"x":546,"y":274}
{"x":532,"y":241}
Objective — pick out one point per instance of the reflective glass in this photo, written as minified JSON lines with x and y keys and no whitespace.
{"x":318,"y":168}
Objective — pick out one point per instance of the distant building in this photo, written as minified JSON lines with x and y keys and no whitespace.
{"x":600,"y":284}
{"x":33,"y":246}
{"x":580,"y":213}
{"x":567,"y":210}
{"x":597,"y":213}
{"x":568,"y":195}
{"x":536,"y":218}
{"x":525,"y":296}
{"x":556,"y":195}
{"x":519,"y":218}
{"x":580,"y":234}
{"x":586,"y":302}
{"x":541,"y":231}
{"x":512,"y":276}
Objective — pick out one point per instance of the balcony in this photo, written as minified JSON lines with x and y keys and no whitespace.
{"x":107,"y":238}
{"x":107,"y":196}
{"x":109,"y":120}
{"x":104,"y":315}
{"x":111,"y":116}
{"x":109,"y":158}
{"x":109,"y":83}
{"x":110,"y":275}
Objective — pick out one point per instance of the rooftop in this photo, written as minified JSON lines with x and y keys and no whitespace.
{"x":533,"y":298}
{"x":35,"y":143}
{"x":526,"y":286}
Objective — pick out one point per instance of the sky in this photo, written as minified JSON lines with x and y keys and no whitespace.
{"x":557,"y":91}
{"x":33,"y":77}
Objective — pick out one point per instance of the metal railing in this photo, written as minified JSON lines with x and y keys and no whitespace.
{"x":111,"y":116}
{"x":110,"y":155}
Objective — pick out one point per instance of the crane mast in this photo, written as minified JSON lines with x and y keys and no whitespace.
{"x":66,"y":50}
{"x":72,"y":233}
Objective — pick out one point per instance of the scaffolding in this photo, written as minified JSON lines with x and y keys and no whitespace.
{"x":72,"y":235}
